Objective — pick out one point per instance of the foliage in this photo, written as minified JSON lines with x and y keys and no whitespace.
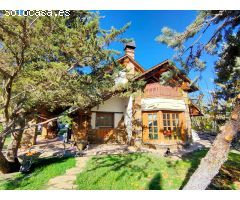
{"x":40,"y":62}
{"x":228,"y":74}
{"x":37,"y":179}
{"x":51,"y":47}
{"x":65,"y":119}
{"x":223,"y":23}
{"x":40,"y":70}
{"x":211,"y":120}
{"x":228,"y":68}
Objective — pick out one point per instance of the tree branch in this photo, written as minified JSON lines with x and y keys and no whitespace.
{"x":5,"y":73}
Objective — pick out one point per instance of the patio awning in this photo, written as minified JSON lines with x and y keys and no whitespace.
{"x":149,"y":104}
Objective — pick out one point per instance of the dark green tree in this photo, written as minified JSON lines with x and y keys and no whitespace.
{"x":228,"y":68}
{"x":41,"y":64}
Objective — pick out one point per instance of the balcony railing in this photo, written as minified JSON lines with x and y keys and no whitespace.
{"x":156,"y":90}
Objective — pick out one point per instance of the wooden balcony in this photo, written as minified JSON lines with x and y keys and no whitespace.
{"x":153,"y":90}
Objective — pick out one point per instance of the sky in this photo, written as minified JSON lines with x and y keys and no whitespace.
{"x":145,"y":27}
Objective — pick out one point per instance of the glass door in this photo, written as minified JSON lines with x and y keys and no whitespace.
{"x":152,"y":126}
{"x":171,"y":126}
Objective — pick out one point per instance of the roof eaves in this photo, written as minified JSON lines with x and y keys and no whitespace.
{"x":193,"y":87}
{"x":194,"y":105}
{"x":134,"y":61}
{"x":152,"y":68}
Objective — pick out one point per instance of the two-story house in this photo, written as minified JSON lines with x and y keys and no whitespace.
{"x":159,"y":115}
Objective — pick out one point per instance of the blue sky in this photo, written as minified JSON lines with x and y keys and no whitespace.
{"x":145,"y":27}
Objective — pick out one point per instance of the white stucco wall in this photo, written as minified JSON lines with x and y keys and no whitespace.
{"x":93,"y":120}
{"x":115,"y":104}
{"x":117,"y":118}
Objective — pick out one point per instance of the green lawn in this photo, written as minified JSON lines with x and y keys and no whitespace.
{"x":41,"y":174}
{"x":142,"y":171}
{"x":129,"y":171}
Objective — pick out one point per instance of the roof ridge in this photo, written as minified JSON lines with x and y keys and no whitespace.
{"x":133,"y":60}
{"x":152,"y":68}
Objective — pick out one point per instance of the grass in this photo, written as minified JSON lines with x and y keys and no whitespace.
{"x":144,"y":171}
{"x":42,"y":172}
{"x":128,"y":172}
{"x":136,"y":171}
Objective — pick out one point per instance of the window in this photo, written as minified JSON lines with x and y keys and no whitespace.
{"x":105,"y":120}
{"x":171,"y":125}
{"x":152,"y":126}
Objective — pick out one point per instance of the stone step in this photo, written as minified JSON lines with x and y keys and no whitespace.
{"x":67,"y":181}
{"x":61,"y":187}
{"x":73,"y":171}
{"x":62,"y":178}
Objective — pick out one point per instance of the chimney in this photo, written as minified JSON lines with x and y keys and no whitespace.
{"x":129,"y":49}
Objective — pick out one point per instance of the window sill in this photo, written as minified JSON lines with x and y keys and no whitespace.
{"x":99,"y":127}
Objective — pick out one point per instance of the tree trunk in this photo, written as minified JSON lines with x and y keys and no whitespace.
{"x":2,"y":140}
{"x":7,"y":166}
{"x":16,"y":138}
{"x":34,"y":139}
{"x":6,"y":95}
{"x":216,"y":156}
{"x":4,"y":164}
{"x":10,"y":162}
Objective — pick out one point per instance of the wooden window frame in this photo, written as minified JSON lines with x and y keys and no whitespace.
{"x":104,"y":113}
{"x":153,"y":127}
{"x":169,"y":133}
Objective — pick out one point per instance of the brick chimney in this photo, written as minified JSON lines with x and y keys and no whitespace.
{"x":129,"y":49}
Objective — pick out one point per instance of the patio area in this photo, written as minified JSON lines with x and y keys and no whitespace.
{"x":56,"y":146}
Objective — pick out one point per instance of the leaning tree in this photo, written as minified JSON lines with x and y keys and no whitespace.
{"x":217,"y":26}
{"x":41,"y":66}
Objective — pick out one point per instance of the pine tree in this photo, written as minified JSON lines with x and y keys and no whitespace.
{"x":225,"y":24}
{"x":41,"y":63}
{"x":228,"y":68}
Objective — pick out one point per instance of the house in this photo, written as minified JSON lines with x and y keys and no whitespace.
{"x":159,"y":115}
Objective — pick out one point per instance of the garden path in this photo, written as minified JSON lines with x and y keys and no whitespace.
{"x":67,"y":181}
